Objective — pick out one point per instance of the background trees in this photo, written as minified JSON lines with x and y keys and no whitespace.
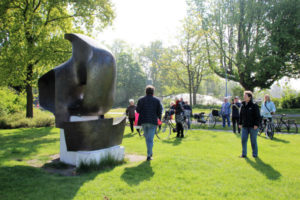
{"x":32,"y":36}
{"x":251,"y":42}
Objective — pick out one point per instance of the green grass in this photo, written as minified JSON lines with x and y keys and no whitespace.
{"x":204,"y":165}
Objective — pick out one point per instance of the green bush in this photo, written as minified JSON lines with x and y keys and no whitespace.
{"x":291,"y":101}
{"x":11,"y":102}
{"x":18,"y":120}
{"x":277,"y":102}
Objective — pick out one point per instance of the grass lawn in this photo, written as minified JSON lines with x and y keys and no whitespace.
{"x":204,"y":165}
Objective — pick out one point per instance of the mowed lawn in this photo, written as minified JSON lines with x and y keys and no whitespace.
{"x":204,"y":165}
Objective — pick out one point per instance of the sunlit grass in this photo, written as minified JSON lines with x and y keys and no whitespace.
{"x":203,"y":165}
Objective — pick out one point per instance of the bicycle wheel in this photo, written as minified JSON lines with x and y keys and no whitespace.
{"x":164,"y":127}
{"x":185,"y":128}
{"x":211,"y":121}
{"x":292,"y":125}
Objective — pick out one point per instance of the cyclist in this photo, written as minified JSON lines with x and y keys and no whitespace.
{"x":267,"y":109}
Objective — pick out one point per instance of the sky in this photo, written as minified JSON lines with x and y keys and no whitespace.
{"x":139,"y":22}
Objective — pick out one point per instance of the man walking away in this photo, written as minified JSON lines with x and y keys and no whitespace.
{"x":149,"y":109}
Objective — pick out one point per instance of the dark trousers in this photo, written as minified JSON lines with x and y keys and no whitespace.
{"x":235,"y":122}
{"x":131,"y":120}
{"x":179,"y":129}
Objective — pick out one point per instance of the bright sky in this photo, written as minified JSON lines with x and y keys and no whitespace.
{"x":138,"y":22}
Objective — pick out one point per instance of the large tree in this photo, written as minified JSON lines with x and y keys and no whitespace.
{"x":31,"y":38}
{"x":192,"y":66}
{"x":253,"y":42}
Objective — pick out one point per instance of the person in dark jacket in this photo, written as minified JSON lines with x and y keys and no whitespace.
{"x":249,"y":122}
{"x":235,"y":118}
{"x":179,"y":117}
{"x":130,"y":112}
{"x":149,"y":109}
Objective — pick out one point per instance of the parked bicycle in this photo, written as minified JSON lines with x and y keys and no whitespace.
{"x":268,"y":127}
{"x":167,"y":124}
{"x":285,"y":124}
{"x":210,"y":120}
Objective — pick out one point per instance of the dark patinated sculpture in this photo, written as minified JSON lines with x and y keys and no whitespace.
{"x":83,"y":86}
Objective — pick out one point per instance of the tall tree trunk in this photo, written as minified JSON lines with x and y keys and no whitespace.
{"x":29,"y":94}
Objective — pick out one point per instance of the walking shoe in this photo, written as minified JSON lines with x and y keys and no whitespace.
{"x":242,"y":156}
{"x":149,"y":158}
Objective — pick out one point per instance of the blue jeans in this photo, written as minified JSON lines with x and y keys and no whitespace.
{"x":149,"y":131}
{"x":253,"y":138}
{"x":226,"y":117}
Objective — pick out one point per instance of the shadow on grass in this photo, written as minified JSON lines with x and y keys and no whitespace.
{"x":264,"y":168}
{"x":33,"y":183}
{"x":23,"y":142}
{"x":274,"y":139}
{"x":175,"y":141}
{"x":130,"y":135}
{"x":135,"y":175}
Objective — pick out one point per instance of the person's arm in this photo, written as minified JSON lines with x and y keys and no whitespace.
{"x":274,"y":107}
{"x":159,"y":111}
{"x":138,"y":106}
{"x":241,"y":117}
{"x":127,"y":111}
{"x":256,"y":116}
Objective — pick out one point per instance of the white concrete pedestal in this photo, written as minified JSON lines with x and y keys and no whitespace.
{"x":76,"y":157}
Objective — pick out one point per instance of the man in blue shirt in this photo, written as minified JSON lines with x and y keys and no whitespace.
{"x":225,"y":112}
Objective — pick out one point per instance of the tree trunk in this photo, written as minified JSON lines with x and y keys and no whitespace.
{"x":29,"y":98}
{"x":29,"y":94}
{"x":194,"y":98}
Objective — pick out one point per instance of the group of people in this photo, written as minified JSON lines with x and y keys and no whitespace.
{"x":246,"y":116}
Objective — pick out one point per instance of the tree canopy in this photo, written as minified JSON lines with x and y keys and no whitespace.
{"x":251,"y":42}
{"x":32,"y":32}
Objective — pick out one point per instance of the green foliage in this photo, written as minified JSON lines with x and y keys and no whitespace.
{"x":277,"y":102}
{"x":291,"y":100}
{"x":237,"y":91}
{"x":203,"y":165}
{"x":11,"y":102}
{"x":131,"y":80}
{"x":32,"y":36}
{"x":18,"y":120}
{"x":254,"y":43}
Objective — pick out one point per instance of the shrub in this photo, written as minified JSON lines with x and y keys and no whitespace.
{"x":18,"y":120}
{"x":11,"y":102}
{"x":277,"y":102}
{"x":291,"y":101}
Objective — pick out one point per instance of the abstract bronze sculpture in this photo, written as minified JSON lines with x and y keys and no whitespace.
{"x":83,"y":86}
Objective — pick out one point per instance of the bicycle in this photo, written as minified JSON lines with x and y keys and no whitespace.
{"x":282,"y":124}
{"x":167,"y":123}
{"x":210,"y":119}
{"x":268,"y":127}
